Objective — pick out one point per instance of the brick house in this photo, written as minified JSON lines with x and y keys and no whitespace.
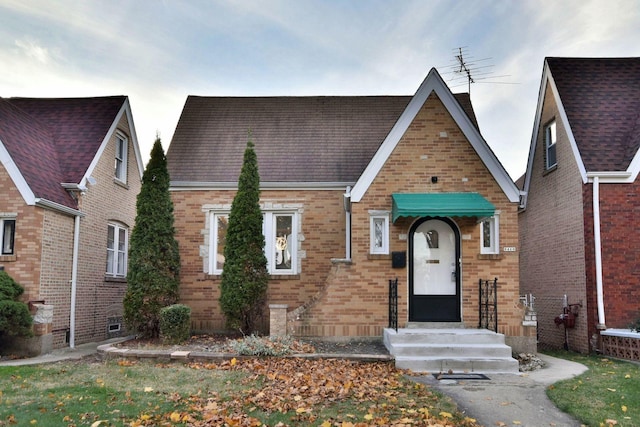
{"x":579,"y":229}
{"x":66,"y":210}
{"x":355,"y":191}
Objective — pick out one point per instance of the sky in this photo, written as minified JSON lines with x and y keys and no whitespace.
{"x":157,"y":52}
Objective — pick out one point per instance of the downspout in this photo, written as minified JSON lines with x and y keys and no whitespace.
{"x":598,"y":252}
{"x":347,"y":211}
{"x":74,"y":282}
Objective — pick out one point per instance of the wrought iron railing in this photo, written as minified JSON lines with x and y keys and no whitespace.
{"x":488,"y":291}
{"x":393,"y":304}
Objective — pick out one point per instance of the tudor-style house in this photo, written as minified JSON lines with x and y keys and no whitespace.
{"x":579,"y":254}
{"x":70,"y":171}
{"x":356,"y":192}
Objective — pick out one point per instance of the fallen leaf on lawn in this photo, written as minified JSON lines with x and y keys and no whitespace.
{"x":627,"y":376}
{"x":611,"y":389}
{"x":611,"y":422}
{"x":234,"y":361}
{"x":175,"y":417}
{"x":97,"y":423}
{"x":368,"y":417}
{"x":624,"y":408}
{"x":148,"y":389}
{"x":325,"y":424}
{"x":444,"y":414}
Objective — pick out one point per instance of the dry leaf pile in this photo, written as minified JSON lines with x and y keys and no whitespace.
{"x":301,"y":389}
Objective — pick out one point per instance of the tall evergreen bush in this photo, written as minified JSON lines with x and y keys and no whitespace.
{"x":154,"y":259}
{"x":244,"y":281}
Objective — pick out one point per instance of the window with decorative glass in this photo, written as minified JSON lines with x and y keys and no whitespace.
{"x":489,"y":233}
{"x":280,"y":231}
{"x":379,"y":233}
{"x":116,"y":250}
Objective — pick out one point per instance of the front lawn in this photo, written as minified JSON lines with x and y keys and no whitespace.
{"x":244,"y":392}
{"x":608,"y":394}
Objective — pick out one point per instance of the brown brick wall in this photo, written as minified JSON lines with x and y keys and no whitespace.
{"x":321,"y":238}
{"x":99,"y":297}
{"x":24,"y":266}
{"x":552,"y":238}
{"x":619,"y":204}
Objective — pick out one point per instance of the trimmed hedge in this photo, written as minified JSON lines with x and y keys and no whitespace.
{"x":175,"y":323}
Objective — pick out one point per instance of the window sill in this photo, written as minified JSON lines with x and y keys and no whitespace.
{"x":121,"y":183}
{"x":489,"y":256}
{"x":8,"y":258}
{"x":284,"y":277}
{"x":551,"y":169}
{"x":114,"y":279}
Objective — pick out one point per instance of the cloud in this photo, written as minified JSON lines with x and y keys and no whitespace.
{"x":32,"y":49}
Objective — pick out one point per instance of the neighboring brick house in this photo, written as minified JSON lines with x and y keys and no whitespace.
{"x":70,"y":171}
{"x":579,"y":229}
{"x":347,"y":184}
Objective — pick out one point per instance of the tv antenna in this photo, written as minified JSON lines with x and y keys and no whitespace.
{"x":465,"y":70}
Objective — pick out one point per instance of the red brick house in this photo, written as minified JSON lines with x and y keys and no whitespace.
{"x":70,"y":171}
{"x":355,"y":191}
{"x":579,"y":234}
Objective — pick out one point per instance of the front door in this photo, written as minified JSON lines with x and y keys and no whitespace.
{"x":434,"y":271}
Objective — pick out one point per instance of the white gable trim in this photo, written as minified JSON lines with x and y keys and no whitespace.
{"x":548,"y":78}
{"x":125,"y":109}
{"x":16,"y":176}
{"x":434,"y":83}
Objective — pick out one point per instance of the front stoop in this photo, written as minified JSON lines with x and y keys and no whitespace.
{"x":442,"y":350}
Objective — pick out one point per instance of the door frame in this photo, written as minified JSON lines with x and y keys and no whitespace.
{"x":412,"y":301}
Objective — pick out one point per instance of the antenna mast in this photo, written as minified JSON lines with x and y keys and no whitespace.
{"x":464,"y":68}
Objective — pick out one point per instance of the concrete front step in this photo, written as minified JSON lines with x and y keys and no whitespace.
{"x":447,"y":350}
{"x":458,"y":365}
{"x":443,"y":336}
{"x":444,"y":349}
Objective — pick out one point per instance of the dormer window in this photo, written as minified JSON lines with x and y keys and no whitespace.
{"x":121,"y":158}
{"x":550,"y":145}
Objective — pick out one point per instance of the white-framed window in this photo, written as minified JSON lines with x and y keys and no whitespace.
{"x":121,"y":157}
{"x":550,"y":145}
{"x":7,"y":236}
{"x":379,"y":232}
{"x":280,"y":229}
{"x":490,"y":235}
{"x":117,"y":250}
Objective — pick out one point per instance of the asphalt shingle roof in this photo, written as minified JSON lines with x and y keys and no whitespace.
{"x":53,"y":141}
{"x":601,"y":97}
{"x":297,"y":139}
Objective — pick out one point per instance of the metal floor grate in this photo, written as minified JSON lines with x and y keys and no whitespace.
{"x":460,"y":376}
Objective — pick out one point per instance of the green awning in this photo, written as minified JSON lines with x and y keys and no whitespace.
{"x":441,"y":204}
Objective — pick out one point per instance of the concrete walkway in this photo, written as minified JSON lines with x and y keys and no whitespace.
{"x":512,"y":400}
{"x":502,"y":400}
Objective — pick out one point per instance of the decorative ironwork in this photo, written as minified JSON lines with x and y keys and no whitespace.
{"x":488,"y":290}
{"x":393,"y":304}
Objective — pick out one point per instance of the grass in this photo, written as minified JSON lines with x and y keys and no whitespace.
{"x":607,"y":394}
{"x":250,"y":392}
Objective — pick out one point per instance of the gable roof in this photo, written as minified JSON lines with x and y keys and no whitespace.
{"x":599,"y":105}
{"x":298,"y":140}
{"x":434,"y":83}
{"x":47,"y":142}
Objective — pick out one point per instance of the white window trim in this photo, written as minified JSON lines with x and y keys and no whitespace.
{"x":122,"y":177}
{"x":494,"y":249}
{"x":116,"y":241}
{"x":213,"y":239}
{"x":268,"y":229}
{"x":550,"y":142}
{"x":376,"y":216}
{"x":3,"y":218}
